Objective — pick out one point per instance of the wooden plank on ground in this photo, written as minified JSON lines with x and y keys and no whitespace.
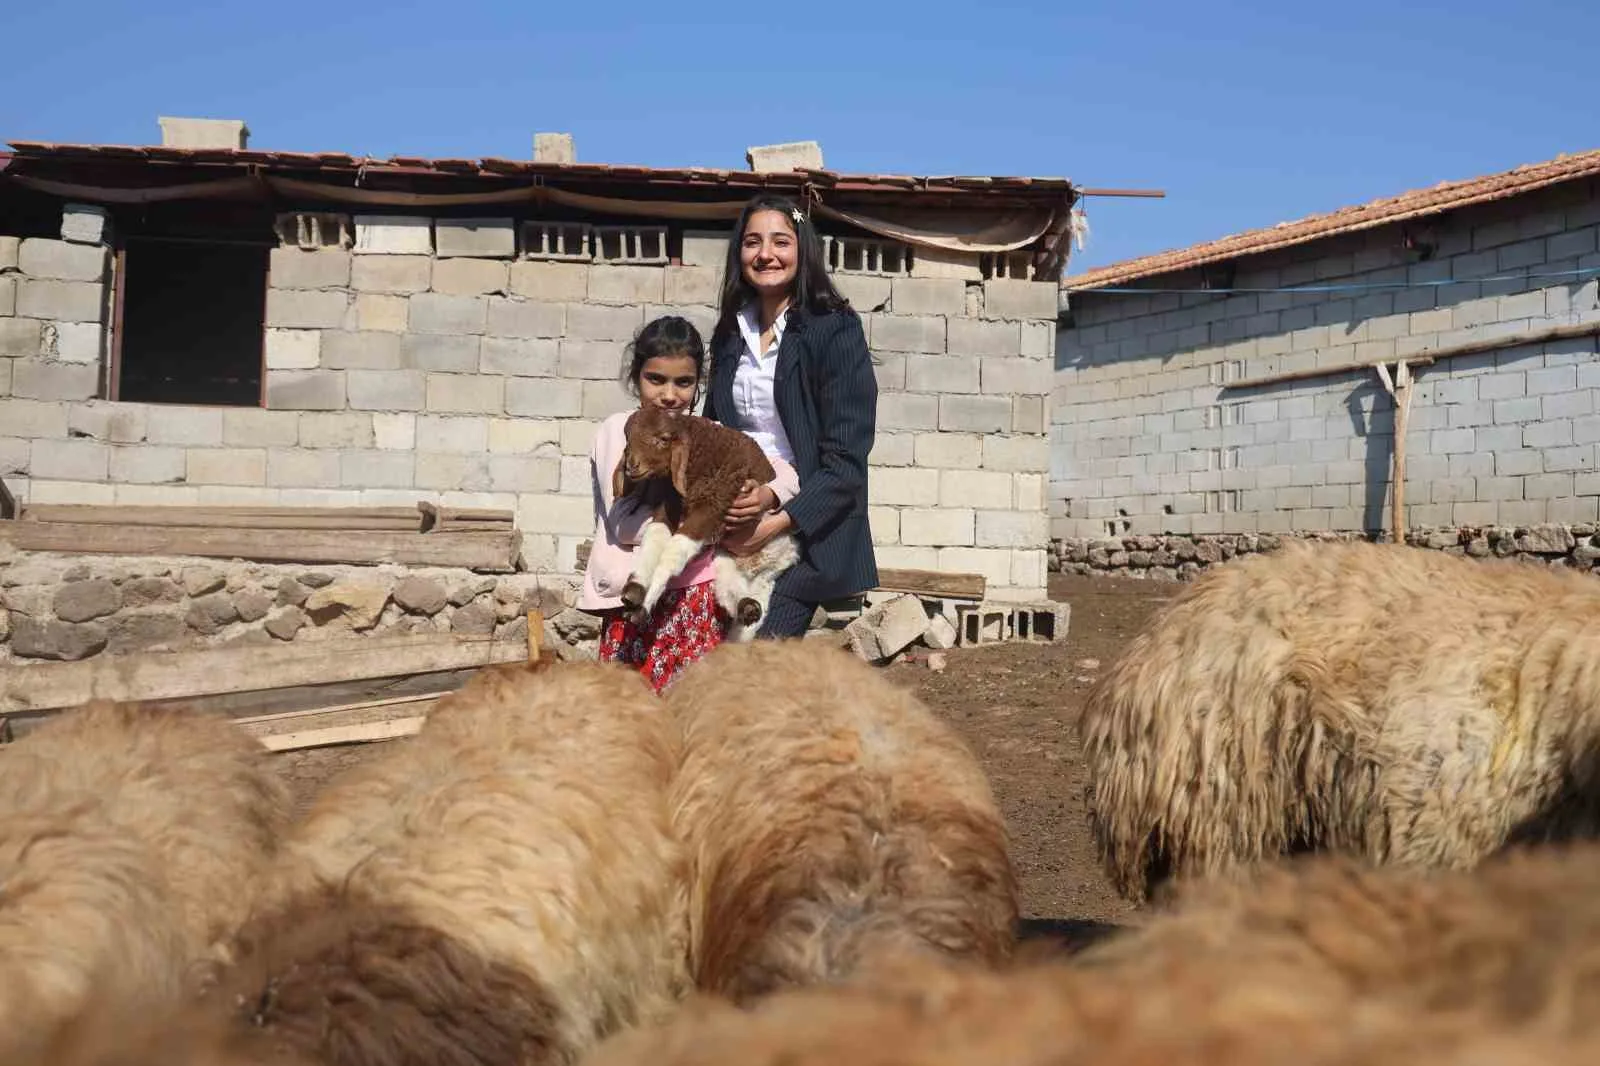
{"x":359,"y":733}
{"x":491,"y":552}
{"x":209,"y":671}
{"x":336,"y":708}
{"x":932,"y":583}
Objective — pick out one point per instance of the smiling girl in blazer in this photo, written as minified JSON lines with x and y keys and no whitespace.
{"x":790,"y":367}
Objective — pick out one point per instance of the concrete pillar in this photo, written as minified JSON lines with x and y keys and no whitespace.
{"x":203,"y":132}
{"x":554,"y":148}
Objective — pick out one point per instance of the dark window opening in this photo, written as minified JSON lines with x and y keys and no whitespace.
{"x":191,"y":318}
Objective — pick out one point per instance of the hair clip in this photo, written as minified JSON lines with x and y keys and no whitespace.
{"x":798,"y":217}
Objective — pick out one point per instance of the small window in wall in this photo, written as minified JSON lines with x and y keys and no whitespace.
{"x":189,"y":322}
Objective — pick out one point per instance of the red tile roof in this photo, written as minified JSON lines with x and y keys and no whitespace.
{"x":1408,"y":205}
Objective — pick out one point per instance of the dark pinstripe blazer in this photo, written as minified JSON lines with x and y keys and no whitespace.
{"x":827,"y":399}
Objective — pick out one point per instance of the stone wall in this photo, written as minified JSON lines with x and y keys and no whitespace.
{"x":59,"y":606}
{"x":433,"y":359}
{"x":1146,"y":440}
{"x":1179,"y":558}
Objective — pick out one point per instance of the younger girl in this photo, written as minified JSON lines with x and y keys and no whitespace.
{"x":666,"y":364}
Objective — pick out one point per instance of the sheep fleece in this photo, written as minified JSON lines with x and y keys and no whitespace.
{"x":196,"y":790}
{"x":832,"y":822}
{"x":1394,"y":703}
{"x":526,"y":823}
{"x":1513,"y":940}
{"x":1193,"y":1015}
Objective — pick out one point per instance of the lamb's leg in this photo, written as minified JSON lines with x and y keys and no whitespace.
{"x":651,"y":543}
{"x":757,"y":575}
{"x":674,"y":557}
{"x":733,"y":594}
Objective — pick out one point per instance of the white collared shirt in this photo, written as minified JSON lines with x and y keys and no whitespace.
{"x":752,"y":386}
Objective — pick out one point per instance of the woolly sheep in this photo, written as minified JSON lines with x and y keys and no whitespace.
{"x":1514,"y":940}
{"x":132,"y":839}
{"x":195,"y":789}
{"x":84,"y":912}
{"x":928,"y":1014}
{"x":832,"y":822}
{"x":502,"y":887}
{"x":690,"y":469}
{"x":1394,"y":703}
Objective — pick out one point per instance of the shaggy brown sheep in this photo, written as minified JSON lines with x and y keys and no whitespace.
{"x":196,"y":790}
{"x":1516,"y":940}
{"x":504,"y":887}
{"x":1388,"y":702}
{"x":832,"y":821}
{"x":690,"y":469}
{"x":929,"y":1014}
{"x":132,"y":842}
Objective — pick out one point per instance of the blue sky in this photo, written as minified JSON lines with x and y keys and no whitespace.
{"x":1246,"y":114}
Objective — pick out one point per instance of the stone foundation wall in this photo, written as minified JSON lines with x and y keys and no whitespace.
{"x":1178,"y":558}
{"x":60,"y":606}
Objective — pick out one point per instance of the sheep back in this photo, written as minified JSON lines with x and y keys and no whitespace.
{"x":1511,"y":940}
{"x":832,"y":822}
{"x":527,"y":823}
{"x":1389,"y":702}
{"x":196,"y":790}
{"x":84,"y":917}
{"x":933,"y":1015}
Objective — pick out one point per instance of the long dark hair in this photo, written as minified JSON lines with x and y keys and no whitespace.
{"x":667,"y":335}
{"x":813,"y":288}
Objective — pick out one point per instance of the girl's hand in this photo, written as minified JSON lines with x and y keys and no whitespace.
{"x":753,"y":501}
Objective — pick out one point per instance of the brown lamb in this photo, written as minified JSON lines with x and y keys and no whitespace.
{"x":689,"y":469}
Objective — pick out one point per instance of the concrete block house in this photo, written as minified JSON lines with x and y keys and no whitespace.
{"x":1212,"y":398}
{"x":201,"y":324}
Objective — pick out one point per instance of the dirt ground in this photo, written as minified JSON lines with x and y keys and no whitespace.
{"x":1017,"y":705}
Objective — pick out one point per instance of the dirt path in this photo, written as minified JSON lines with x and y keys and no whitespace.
{"x":1017,"y":705}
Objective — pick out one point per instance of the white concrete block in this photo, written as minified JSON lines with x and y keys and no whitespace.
{"x":554,"y":148}
{"x":85,"y":223}
{"x":293,"y":349}
{"x":888,"y":629}
{"x":77,"y":342}
{"x":705,"y":248}
{"x":775,"y":158}
{"x":61,"y":260}
{"x":471,"y":277}
{"x":181,"y":132}
{"x":393,"y":235}
{"x":937,"y":526}
{"x":484,"y":238}
{"x":551,"y":282}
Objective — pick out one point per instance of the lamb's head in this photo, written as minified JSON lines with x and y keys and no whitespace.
{"x":657,"y":446}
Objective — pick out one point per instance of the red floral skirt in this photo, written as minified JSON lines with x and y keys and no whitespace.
{"x":684,"y":626}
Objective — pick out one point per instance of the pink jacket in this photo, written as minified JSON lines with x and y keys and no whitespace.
{"x":618,"y":525}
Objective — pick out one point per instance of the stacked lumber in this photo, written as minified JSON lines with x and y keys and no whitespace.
{"x":427,"y":534}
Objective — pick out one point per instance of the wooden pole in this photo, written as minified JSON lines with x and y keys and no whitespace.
{"x":1399,"y":387}
{"x":535,"y":634}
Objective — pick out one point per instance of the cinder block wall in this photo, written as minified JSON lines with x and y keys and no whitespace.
{"x":430,"y":362}
{"x":1145,"y":442}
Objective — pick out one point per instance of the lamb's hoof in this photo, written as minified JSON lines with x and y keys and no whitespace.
{"x":749,"y":612}
{"x":633,"y":594}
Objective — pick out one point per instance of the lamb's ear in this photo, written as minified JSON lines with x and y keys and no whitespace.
{"x":679,"y":459}
{"x":619,"y":480}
